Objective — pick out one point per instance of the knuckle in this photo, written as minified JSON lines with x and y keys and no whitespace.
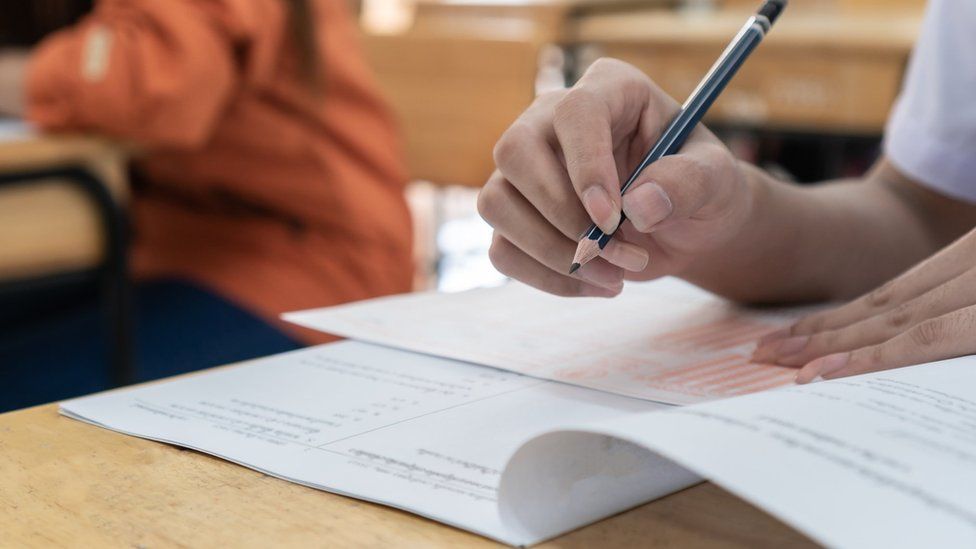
{"x":605,"y":64}
{"x":623,"y":71}
{"x":547,"y":99}
{"x":929,"y":333}
{"x":511,"y":143}
{"x":585,"y":164}
{"x":489,"y":201}
{"x":876,"y":355}
{"x":825,"y":340}
{"x":880,"y":296}
{"x":900,"y":317}
{"x":499,"y":254}
{"x":577,"y":102}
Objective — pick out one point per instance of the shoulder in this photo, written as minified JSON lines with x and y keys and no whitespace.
{"x":931,"y":134}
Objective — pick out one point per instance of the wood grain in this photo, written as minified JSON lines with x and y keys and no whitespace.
{"x":819,"y":71}
{"x":453,"y":97}
{"x":465,"y":70}
{"x":70,"y":484}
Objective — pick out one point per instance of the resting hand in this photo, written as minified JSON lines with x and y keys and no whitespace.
{"x":560,"y":167}
{"x":926,"y":314}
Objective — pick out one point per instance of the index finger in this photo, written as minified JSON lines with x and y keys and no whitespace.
{"x":609,"y":98}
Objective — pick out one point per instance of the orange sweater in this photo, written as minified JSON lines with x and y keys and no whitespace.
{"x":254,"y":187}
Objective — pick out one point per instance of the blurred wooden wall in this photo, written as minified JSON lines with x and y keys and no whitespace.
{"x":459,"y":72}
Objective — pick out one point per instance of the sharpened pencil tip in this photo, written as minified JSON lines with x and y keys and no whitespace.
{"x":574,"y":268}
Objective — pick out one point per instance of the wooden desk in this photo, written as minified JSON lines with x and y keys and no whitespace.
{"x":820,"y":70}
{"x":66,"y":483}
{"x":50,"y":226}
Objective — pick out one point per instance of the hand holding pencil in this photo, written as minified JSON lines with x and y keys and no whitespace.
{"x":674,"y":136}
{"x":562,"y":164}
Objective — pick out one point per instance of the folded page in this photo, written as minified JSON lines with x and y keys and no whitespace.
{"x":423,"y":434}
{"x":880,"y":460}
{"x":665,"y":341}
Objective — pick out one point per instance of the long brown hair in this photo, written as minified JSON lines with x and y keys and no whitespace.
{"x":26,"y":22}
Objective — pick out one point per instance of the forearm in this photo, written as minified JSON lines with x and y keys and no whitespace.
{"x":830,"y":241}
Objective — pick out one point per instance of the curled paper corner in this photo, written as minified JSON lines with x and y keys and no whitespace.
{"x":563,"y":480}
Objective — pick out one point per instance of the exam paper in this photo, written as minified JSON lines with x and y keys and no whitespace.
{"x":423,"y":434}
{"x":665,"y":340}
{"x":880,"y":460}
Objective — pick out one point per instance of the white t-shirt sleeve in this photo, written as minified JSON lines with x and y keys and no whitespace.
{"x":931,"y":135}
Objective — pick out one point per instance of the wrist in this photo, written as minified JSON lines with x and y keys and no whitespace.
{"x":758,"y":188}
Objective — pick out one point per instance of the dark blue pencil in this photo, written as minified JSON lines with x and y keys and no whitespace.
{"x":708,"y":90}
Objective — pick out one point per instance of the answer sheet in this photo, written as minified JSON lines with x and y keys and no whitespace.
{"x":665,"y":341}
{"x":880,"y":460}
{"x":423,"y":434}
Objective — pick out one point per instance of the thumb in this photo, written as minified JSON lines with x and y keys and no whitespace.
{"x":674,"y":188}
{"x":647,"y":205}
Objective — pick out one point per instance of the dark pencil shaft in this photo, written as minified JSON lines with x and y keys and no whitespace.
{"x":692,"y":112}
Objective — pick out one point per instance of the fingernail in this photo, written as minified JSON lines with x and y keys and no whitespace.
{"x":626,"y":256}
{"x":646,"y":206}
{"x":800,"y":381}
{"x":833,"y":363}
{"x":822,"y":367}
{"x":601,"y":209}
{"x":779,"y":348}
{"x":601,"y":275}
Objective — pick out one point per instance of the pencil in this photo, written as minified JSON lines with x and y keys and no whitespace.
{"x":752,"y":33}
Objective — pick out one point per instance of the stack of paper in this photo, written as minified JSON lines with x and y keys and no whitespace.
{"x":879,"y":460}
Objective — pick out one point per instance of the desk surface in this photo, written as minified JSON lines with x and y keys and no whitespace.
{"x":855,"y":32}
{"x":69,"y":483}
{"x":23,"y":148}
{"x":49,"y":227}
{"x":822,"y":70}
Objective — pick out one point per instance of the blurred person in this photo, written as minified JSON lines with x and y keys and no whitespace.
{"x":269,"y":177}
{"x":737,"y":230}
